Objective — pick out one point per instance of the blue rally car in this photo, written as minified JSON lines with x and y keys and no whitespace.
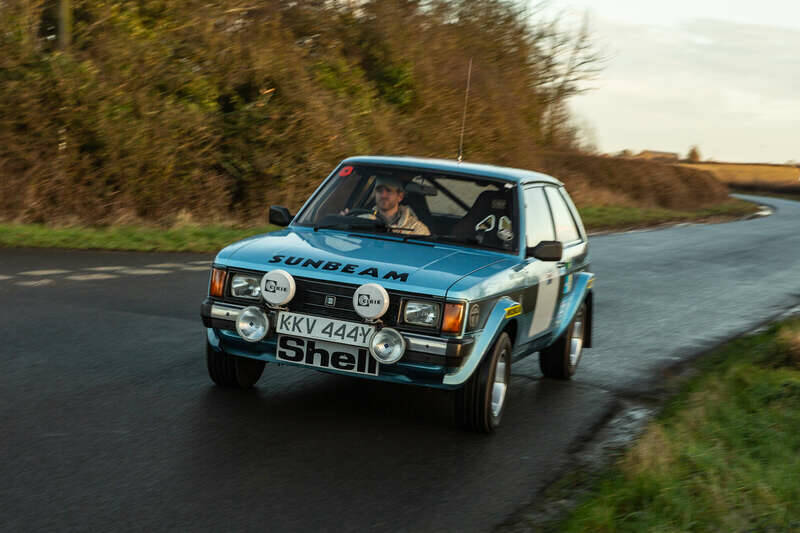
{"x":407,"y":270}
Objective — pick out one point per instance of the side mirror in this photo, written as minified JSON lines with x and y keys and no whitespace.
{"x":279,"y":215}
{"x":546,"y":251}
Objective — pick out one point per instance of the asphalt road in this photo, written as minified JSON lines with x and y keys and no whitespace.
{"x":108,"y":420}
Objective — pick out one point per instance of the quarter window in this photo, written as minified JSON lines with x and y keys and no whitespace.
{"x":538,"y":223}
{"x":566,"y":231}
{"x":574,"y":210}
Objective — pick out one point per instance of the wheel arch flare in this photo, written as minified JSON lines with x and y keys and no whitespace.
{"x":502,"y":315}
{"x":582,"y":290}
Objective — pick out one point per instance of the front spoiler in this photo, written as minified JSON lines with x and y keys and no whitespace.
{"x":402,"y":372}
{"x":426,"y":360}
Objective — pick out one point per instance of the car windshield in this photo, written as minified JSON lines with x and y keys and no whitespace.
{"x":416,"y":204}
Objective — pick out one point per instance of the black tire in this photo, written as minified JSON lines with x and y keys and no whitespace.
{"x":230,"y":371}
{"x":556,"y":361}
{"x":474,"y":409}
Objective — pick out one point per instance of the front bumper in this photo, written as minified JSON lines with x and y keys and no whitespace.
{"x":426,"y":361}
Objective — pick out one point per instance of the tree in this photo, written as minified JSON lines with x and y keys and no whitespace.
{"x":694,"y":154}
{"x":64,"y":24}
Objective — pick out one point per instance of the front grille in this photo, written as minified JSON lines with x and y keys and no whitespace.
{"x":311,"y":294}
{"x":310,"y":298}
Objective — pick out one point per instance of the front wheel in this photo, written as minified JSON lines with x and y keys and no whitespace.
{"x":560,"y":359}
{"x":227,"y":370}
{"x":481,"y":401}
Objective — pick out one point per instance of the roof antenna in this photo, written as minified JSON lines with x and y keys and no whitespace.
{"x":464,"y":116}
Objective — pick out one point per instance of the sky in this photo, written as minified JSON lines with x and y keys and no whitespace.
{"x":720,"y":74}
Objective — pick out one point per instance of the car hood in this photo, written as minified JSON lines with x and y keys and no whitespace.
{"x":349,"y":258}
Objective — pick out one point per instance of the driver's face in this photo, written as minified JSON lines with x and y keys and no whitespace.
{"x":387,"y":198}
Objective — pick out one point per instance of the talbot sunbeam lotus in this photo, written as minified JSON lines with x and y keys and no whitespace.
{"x":406,"y":270}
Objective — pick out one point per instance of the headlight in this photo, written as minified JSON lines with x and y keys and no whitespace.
{"x":252,"y":324}
{"x":246,"y":286}
{"x":421,"y":313}
{"x":387,"y":346}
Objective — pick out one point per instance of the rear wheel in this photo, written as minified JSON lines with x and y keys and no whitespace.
{"x":480,"y":403}
{"x":560,"y":359}
{"x":227,"y":370}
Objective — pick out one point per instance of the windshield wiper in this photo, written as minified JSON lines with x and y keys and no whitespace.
{"x":353,"y":223}
{"x":436,"y":237}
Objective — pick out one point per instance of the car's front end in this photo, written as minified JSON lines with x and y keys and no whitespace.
{"x":417,"y":336}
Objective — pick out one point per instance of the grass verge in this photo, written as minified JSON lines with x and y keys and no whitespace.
{"x":724,"y":455}
{"x":213,"y":238}
{"x":147,"y":239}
{"x":604,"y":218}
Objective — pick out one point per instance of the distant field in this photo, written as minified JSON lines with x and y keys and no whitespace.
{"x":743,"y":173}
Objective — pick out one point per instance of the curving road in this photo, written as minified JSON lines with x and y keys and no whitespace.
{"x":108,"y":420}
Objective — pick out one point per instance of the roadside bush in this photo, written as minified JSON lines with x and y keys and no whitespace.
{"x":789,"y":346}
{"x":597,"y":180}
{"x":220,"y":109}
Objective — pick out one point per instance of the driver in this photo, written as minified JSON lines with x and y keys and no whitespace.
{"x":389,"y":192}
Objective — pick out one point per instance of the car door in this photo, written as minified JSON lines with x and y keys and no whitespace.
{"x":571,"y":233}
{"x":542,"y":277}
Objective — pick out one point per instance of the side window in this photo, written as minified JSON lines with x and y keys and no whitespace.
{"x":566,"y":231}
{"x":538,"y":224}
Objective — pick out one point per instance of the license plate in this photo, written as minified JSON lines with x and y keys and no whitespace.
{"x":324,"y":329}
{"x":326,"y":355}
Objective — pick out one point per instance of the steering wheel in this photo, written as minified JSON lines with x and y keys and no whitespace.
{"x":358,"y":211}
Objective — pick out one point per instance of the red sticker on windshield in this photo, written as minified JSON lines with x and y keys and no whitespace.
{"x":346,"y":171}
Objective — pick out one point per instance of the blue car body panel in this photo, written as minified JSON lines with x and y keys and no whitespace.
{"x":499,"y":282}
{"x":347,"y":257}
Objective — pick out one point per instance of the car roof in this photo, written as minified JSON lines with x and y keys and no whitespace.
{"x":515,"y":175}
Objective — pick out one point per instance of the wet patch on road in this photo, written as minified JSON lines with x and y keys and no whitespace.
{"x":595,"y":451}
